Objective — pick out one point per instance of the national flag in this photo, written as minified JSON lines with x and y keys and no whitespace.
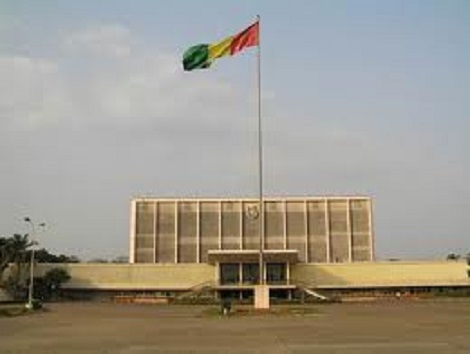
{"x":202,"y":56}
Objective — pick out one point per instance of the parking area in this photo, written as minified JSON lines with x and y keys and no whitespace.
{"x":381,"y":327}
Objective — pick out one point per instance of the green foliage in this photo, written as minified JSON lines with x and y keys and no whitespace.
{"x":453,"y":257}
{"x":16,"y":249}
{"x":13,"y":250}
{"x":15,"y":288}
{"x":57,"y":276}
{"x":37,"y":304}
{"x":48,"y":286}
{"x":43,"y":256}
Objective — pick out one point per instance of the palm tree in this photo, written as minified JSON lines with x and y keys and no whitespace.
{"x":19,"y":249}
{"x":4,"y":254}
{"x":14,"y":249}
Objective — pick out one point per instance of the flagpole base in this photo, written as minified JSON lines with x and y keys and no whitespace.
{"x":261,"y":297}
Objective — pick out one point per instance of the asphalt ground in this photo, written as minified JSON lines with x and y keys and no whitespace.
{"x":380,"y":327}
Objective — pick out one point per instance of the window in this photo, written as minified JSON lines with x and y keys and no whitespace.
{"x":251,"y":273}
{"x":276,"y":273}
{"x":229,"y":273}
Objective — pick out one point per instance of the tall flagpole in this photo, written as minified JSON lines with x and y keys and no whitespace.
{"x":260,"y":160}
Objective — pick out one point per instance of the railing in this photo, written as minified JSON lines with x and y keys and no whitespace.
{"x":198,"y":289}
{"x":309,"y":289}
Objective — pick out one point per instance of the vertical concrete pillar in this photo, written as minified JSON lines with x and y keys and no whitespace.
{"x":349,"y":229}
{"x":327,"y":232}
{"x":220,"y":224}
{"x":241,"y":223}
{"x":265,"y":272}
{"x":288,"y":273}
{"x":306,"y":231}
{"x":198,"y":231}
{"x":132,"y":231}
{"x":284,"y":213}
{"x":176,"y":231}
{"x":155,"y":250}
{"x":371,"y":232}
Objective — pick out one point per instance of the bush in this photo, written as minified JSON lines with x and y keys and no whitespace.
{"x":48,"y":286}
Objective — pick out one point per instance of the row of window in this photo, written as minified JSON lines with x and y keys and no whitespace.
{"x":248,"y":273}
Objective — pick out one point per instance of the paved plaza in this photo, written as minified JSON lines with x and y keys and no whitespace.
{"x":381,"y":327}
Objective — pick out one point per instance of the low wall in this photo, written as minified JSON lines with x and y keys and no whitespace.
{"x":383,"y":274}
{"x":133,"y":276}
{"x":184,"y":276}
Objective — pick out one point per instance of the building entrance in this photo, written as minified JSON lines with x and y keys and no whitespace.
{"x":229,"y":274}
{"x":276,"y":273}
{"x":248,"y":273}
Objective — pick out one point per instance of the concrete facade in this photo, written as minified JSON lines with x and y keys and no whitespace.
{"x":320,"y":229}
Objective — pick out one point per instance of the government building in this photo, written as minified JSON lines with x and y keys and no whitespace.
{"x":225,"y":233}
{"x":304,"y":246}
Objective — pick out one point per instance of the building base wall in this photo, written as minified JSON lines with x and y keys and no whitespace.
{"x":382,"y":274}
{"x":151,"y":277}
{"x":187,"y":276}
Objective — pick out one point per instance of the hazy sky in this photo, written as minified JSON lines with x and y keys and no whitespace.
{"x":359,"y":97}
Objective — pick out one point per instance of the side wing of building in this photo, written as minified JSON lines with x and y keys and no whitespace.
{"x":322,"y":230}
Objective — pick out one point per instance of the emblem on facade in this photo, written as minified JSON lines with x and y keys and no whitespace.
{"x":252,"y":212}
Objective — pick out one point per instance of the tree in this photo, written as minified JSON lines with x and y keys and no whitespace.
{"x":19,"y":249}
{"x":48,"y":286}
{"x":8,"y":251}
{"x":4,"y":254}
{"x":14,"y":250}
{"x":44,"y":256}
{"x":98,"y":260}
{"x":120,"y":259}
{"x":453,"y":257}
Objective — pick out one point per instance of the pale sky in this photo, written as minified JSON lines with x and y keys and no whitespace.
{"x":359,"y":97}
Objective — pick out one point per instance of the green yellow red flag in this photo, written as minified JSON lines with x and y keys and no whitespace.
{"x":201,"y":56}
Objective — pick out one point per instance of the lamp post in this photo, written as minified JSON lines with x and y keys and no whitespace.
{"x":29,"y":305}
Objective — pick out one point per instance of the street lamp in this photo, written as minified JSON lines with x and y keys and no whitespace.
{"x":29,"y":305}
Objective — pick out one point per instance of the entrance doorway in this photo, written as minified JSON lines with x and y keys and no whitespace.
{"x":229,"y":273}
{"x":276,"y":273}
{"x":248,"y":273}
